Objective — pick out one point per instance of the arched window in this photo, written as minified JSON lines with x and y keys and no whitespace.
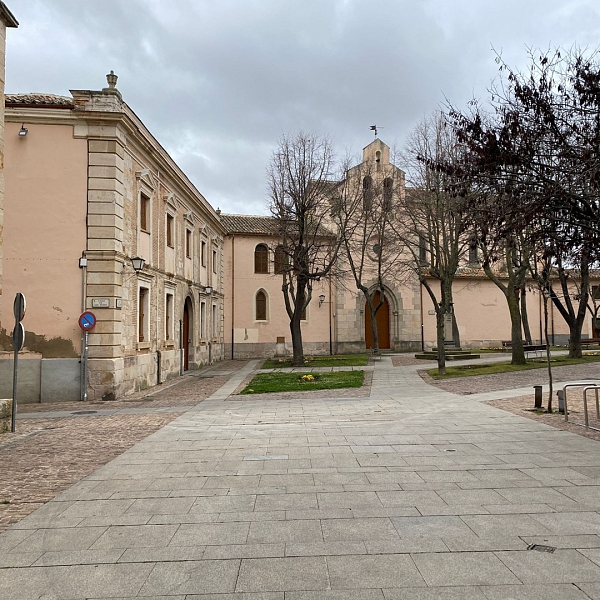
{"x":261,"y":259}
{"x":261,"y":306}
{"x":367,"y":193}
{"x":281,"y":260}
{"x":388,"y":191}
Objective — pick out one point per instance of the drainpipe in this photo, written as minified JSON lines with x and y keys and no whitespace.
{"x":82,"y":384}
{"x":330,"y":325}
{"x":422,"y":325}
{"x":232,"y":294}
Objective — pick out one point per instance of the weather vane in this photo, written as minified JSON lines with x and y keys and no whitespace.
{"x":373,"y":128}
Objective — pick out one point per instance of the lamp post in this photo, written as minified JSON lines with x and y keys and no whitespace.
{"x":321,"y":299}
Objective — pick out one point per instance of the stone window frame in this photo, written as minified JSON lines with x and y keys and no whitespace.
{"x":261,"y":263}
{"x":169,"y":328}
{"x":266,"y":306}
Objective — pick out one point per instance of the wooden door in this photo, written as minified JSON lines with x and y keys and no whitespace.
{"x":383,"y":324}
{"x":186,"y":335}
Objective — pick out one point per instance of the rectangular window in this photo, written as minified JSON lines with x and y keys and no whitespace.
{"x":188,"y":243}
{"x":170,"y":231}
{"x":215,"y":325}
{"x":214,"y":261}
{"x":203,"y":254}
{"x":473,"y":259}
{"x":303,"y":315}
{"x":203,"y":320}
{"x":169,"y":317}
{"x":422,"y":250}
{"x":144,"y":213}
{"x":143,"y":315}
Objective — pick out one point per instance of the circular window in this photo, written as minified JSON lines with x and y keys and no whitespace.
{"x":377,"y":249}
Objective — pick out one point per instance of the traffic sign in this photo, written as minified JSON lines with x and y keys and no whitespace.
{"x":18,"y":337}
{"x":87,"y":321}
{"x":19,"y":307}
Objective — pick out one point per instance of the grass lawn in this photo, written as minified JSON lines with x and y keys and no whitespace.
{"x":506,"y":367}
{"x":341,"y":360}
{"x":293,"y":382}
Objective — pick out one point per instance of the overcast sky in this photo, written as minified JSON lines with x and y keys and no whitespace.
{"x":218,"y":81}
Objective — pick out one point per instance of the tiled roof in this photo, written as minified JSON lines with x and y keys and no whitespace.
{"x":46,"y":100}
{"x":250,"y":224}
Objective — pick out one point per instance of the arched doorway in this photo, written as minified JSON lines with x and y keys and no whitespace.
{"x":383,"y":323}
{"x":187,"y":320}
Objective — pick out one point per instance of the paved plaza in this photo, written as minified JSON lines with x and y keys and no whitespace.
{"x":413,"y":493}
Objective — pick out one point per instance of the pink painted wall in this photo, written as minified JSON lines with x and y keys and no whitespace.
{"x":44,"y":229}
{"x":247,"y":284}
{"x":482,"y":314}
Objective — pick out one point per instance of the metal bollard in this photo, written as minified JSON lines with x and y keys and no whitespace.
{"x":561,"y":401}
{"x":538,"y":396}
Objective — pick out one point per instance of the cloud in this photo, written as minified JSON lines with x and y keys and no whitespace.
{"x":217,"y":83}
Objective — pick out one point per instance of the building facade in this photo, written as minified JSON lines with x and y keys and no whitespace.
{"x":338,"y":319}
{"x":88,"y":188}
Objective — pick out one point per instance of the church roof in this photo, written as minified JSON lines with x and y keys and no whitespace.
{"x":37,"y":99}
{"x":249,"y":224}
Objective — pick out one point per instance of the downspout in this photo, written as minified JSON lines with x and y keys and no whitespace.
{"x":330,"y":323}
{"x":82,"y":389}
{"x":421,"y":311}
{"x":232,"y":294}
{"x":540,"y":313}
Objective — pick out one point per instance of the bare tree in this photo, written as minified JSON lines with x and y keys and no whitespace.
{"x":299,"y":176}
{"x":364,"y":209}
{"x":538,"y":155}
{"x":434,"y":224}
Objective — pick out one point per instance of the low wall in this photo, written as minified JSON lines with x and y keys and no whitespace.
{"x":5,"y":415}
{"x":42,"y":379}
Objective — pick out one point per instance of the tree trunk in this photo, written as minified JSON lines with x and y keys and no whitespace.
{"x":441,"y":339}
{"x":518,"y":353}
{"x":295,"y":325}
{"x":547,"y":338}
{"x":575,"y":340}
{"x":524,"y":316}
{"x":374,"y":330}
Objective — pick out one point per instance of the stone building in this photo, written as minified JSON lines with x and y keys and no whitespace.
{"x":88,"y":188}
{"x":337,"y":321}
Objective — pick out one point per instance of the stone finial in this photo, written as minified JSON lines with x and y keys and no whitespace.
{"x":218,"y":211}
{"x":111,"y":78}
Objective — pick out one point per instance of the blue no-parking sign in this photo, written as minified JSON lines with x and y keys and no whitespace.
{"x":87,"y":321}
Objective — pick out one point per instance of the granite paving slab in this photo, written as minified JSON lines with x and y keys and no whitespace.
{"x":411,"y":493}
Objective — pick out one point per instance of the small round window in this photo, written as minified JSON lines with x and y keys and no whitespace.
{"x":377,"y":249}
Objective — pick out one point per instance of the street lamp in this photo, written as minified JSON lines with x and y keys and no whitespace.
{"x":321,"y":299}
{"x":138,"y":264}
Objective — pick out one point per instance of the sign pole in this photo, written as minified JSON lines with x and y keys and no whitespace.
{"x":87,"y":322}
{"x":85,"y":367}
{"x":18,"y":342}
{"x":13,"y":421}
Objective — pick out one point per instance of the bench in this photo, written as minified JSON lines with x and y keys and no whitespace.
{"x":591,"y":342}
{"x":535,"y":348}
{"x":528,"y":348}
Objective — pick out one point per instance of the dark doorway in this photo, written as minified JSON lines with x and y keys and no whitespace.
{"x":383,"y":324}
{"x":187,"y":319}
